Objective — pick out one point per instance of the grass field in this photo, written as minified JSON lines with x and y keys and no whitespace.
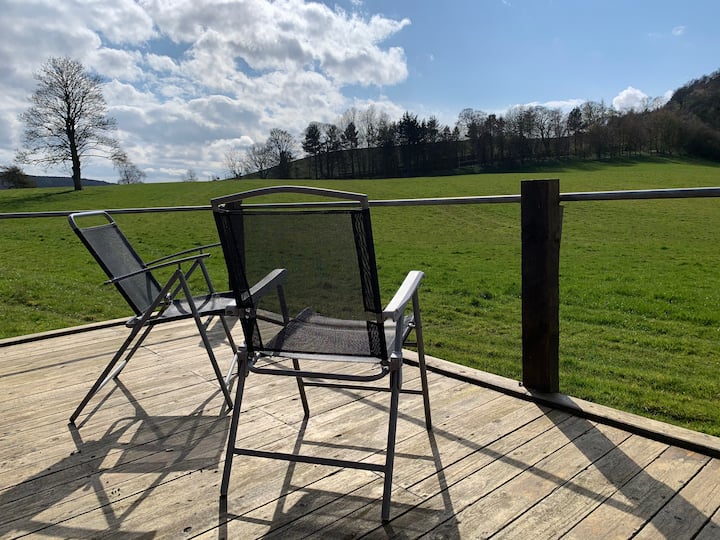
{"x":640,"y":280}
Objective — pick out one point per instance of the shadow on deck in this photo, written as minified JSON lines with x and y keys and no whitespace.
{"x":145,"y":460}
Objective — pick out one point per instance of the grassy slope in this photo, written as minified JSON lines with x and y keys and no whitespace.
{"x":640,"y":327}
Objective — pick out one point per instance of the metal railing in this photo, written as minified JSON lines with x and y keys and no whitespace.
{"x":675,"y":193}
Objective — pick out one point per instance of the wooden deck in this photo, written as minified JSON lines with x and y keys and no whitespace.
{"x":146,"y":458}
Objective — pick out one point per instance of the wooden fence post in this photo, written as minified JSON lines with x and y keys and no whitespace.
{"x":541,"y":227}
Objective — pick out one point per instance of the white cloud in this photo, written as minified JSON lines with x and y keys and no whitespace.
{"x":186,"y":78}
{"x":161,"y":63}
{"x":678,"y":31}
{"x":562,"y":104}
{"x":631,"y":99}
{"x":117,"y":64}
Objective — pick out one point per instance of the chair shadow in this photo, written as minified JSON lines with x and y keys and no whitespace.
{"x":139,"y":445}
{"x":623,"y":472}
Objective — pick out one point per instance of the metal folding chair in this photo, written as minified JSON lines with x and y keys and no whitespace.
{"x":151,"y":302}
{"x":306,"y":287}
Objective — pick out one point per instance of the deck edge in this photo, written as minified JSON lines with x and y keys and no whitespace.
{"x":639,"y":425}
{"x":28,"y":338}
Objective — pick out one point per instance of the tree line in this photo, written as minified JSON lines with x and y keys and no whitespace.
{"x":367,"y":143}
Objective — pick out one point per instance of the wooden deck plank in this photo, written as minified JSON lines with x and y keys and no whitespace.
{"x":512,"y":498}
{"x":711,"y":530}
{"x":147,"y":456}
{"x":628,"y":509}
{"x":321,"y":510}
{"x":690,"y":509}
{"x":468,"y":481}
{"x":408,"y":452}
{"x":69,"y":389}
{"x":556,"y":513}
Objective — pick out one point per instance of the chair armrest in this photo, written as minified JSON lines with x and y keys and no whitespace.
{"x":183,"y":252}
{"x":273,"y":279}
{"x":404,"y":294}
{"x":266,"y":284}
{"x":150,"y":268}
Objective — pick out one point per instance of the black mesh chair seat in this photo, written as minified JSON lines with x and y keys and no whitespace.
{"x":315,"y":260}
{"x":311,"y":335}
{"x":152,"y":302}
{"x":208,"y":304}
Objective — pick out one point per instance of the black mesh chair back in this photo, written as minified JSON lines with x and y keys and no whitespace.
{"x":116,"y":257}
{"x":331,"y":290}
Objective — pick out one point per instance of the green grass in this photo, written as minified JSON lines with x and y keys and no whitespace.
{"x":640,"y":285}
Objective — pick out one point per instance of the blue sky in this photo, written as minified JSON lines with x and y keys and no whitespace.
{"x":190,"y":80}
{"x":494,"y":54}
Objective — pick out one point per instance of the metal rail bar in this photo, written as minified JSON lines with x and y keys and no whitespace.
{"x":65,"y":213}
{"x":675,"y":193}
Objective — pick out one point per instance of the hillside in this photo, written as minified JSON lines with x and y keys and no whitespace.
{"x":64,"y":181}
{"x":56,"y":182}
{"x":701,"y":99}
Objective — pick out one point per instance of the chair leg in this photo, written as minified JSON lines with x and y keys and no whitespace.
{"x":226,"y":327}
{"x":110,"y":371}
{"x":231,"y":369}
{"x":395,"y":378}
{"x":213,"y":361}
{"x":118,"y":369}
{"x":234,"y":348}
{"x":232,"y":435}
{"x":421,"y":360}
{"x":205,"y":339}
{"x":301,"y":389}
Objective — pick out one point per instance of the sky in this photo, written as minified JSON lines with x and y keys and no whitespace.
{"x":190,"y":80}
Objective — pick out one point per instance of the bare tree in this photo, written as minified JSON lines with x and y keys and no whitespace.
{"x":368,"y":126}
{"x":129,"y":173}
{"x":234,"y":162}
{"x":282,"y":146}
{"x":350,"y":116}
{"x":67,"y":121}
{"x":190,"y":176}
{"x":467,"y":118}
{"x":543,"y":127}
{"x":595,"y":116}
{"x":558,"y":131}
{"x":258,"y":158}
